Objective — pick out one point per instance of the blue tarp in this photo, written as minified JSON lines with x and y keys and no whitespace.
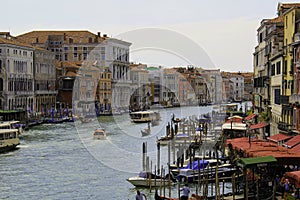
{"x":203,"y":164}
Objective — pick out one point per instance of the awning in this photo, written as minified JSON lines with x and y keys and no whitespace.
{"x":234,"y":126}
{"x":259,"y":125}
{"x":250,"y":117}
{"x":295,"y":175}
{"x":248,"y":162}
{"x":279,"y":137}
{"x":293,"y":141}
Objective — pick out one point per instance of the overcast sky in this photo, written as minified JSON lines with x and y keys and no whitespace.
{"x":224,"y":30}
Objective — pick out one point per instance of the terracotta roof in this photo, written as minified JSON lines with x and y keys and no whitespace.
{"x":277,"y":19}
{"x":289,"y":5}
{"x":249,"y":117}
{"x":14,"y":42}
{"x":257,"y":147}
{"x":259,"y":125}
{"x":296,"y":148}
{"x":80,"y":36}
{"x":279,"y":137}
{"x":71,"y":74}
{"x":293,"y":141}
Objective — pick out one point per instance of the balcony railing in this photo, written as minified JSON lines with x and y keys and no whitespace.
{"x":284,"y":126}
{"x":284,"y":99}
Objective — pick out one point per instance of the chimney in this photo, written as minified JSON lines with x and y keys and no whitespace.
{"x":99,"y":34}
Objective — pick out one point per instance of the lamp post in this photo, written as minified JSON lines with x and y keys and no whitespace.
{"x":231,"y":130}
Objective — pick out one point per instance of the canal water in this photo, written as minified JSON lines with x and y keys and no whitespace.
{"x":63,"y":161}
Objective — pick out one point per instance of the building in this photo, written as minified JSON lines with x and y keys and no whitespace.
{"x":169,"y":91}
{"x":79,"y":46}
{"x":104,"y":92}
{"x":237,"y":85}
{"x":141,"y":88}
{"x":45,"y":91}
{"x":155,"y":78}
{"x":17,"y":75}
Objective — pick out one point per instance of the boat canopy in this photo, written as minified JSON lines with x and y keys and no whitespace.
{"x":195,"y":164}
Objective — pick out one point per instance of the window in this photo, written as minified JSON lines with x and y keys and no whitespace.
{"x":75,"y":55}
{"x":273,"y":70}
{"x":66,"y":48}
{"x":75,"y":48}
{"x":278,"y":67}
{"x":0,"y":51}
{"x":66,"y":56}
{"x":277,"y":96}
{"x":260,"y":37}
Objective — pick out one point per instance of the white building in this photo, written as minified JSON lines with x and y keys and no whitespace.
{"x":16,"y":78}
{"x":237,"y":83}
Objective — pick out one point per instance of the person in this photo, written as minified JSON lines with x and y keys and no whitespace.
{"x":139,"y":195}
{"x":186,"y":191}
{"x":286,"y":187}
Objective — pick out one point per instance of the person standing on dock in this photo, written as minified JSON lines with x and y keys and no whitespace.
{"x":186,"y":192}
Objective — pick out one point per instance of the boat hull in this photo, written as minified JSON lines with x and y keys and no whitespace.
{"x":144,"y":182}
{"x":9,"y":145}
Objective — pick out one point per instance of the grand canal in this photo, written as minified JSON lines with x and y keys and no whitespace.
{"x":63,"y":161}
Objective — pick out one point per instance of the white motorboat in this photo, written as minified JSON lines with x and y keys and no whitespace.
{"x":100,"y":134}
{"x":147,"y":179}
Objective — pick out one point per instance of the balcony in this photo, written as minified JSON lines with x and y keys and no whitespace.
{"x":45,"y":92}
{"x":284,"y":126}
{"x":284,"y":99}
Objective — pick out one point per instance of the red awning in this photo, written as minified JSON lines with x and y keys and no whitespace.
{"x":259,"y":125}
{"x":250,"y":117}
{"x":279,"y":137}
{"x":293,"y":141}
{"x":295,"y":175}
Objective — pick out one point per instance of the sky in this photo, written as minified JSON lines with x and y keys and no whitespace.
{"x":210,"y":34}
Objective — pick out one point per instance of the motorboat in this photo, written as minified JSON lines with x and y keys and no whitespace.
{"x":99,"y":134}
{"x":147,"y":179}
{"x":205,"y":169}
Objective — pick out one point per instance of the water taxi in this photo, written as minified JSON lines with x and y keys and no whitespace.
{"x":100,"y":134}
{"x":9,"y":136}
{"x":144,"y":116}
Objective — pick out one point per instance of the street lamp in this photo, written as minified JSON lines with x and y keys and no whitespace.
{"x":231,"y":129}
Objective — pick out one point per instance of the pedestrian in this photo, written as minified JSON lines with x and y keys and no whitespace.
{"x":282,"y":183}
{"x":186,"y":191}
{"x":286,"y":187}
{"x":140,"y":196}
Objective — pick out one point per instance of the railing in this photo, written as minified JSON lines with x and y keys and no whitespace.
{"x":284,"y":126}
{"x":39,"y":92}
{"x":284,"y":99}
